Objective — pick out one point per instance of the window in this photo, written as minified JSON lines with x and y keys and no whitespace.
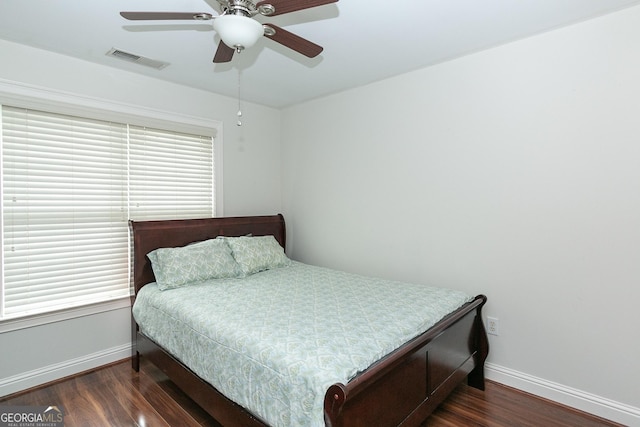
{"x":69,"y":186}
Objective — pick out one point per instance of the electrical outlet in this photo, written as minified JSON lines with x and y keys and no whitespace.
{"x":493,"y":326}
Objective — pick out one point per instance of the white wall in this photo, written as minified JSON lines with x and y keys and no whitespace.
{"x":514,"y":172}
{"x":252,"y":185}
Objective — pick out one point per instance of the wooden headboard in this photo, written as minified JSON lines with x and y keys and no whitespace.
{"x":150,"y":235}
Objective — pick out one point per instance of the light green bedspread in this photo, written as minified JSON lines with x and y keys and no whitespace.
{"x":275,"y":341}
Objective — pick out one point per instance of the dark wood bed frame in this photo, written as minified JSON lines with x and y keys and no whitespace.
{"x":403,"y":388}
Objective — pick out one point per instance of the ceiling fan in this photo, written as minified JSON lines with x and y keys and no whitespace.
{"x":239,"y":30}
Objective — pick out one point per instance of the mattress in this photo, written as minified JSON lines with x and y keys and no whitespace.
{"x":274,"y":341}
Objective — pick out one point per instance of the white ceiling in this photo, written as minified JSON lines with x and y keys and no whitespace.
{"x":364,"y":41}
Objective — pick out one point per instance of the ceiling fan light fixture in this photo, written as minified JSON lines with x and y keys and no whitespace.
{"x":239,"y":32}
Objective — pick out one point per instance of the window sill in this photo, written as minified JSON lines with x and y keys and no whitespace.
{"x":59,"y":316}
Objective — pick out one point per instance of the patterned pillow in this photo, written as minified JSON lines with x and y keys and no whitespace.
{"x":257,"y":253}
{"x":210,"y":259}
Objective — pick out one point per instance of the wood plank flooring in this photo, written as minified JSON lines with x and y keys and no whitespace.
{"x":115,"y":395}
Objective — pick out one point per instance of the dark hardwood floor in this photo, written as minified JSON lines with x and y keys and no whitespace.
{"x":115,"y":395}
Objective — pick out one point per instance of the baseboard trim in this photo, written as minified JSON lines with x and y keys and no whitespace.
{"x":36,"y":377}
{"x":587,"y":402}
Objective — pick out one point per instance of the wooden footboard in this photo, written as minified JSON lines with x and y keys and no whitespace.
{"x":406,"y":386}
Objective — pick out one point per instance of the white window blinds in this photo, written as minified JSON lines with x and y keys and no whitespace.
{"x":68,"y":186}
{"x":171,"y":174}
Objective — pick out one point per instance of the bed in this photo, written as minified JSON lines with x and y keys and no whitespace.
{"x":400,"y":388}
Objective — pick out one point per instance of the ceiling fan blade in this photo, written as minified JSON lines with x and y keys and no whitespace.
{"x":224,"y":53}
{"x":287,"y":6}
{"x":293,"y":41}
{"x":160,"y":16}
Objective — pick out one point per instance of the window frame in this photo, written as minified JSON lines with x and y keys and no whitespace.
{"x":27,"y":96}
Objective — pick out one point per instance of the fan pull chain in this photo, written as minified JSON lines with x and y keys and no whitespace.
{"x":239,"y":122}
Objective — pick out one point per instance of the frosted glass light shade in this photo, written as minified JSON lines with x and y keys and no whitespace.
{"x":238,"y":31}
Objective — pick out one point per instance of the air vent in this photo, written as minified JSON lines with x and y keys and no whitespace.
{"x":137,"y":59}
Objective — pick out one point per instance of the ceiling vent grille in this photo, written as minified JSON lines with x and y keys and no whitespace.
{"x":136,"y":59}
